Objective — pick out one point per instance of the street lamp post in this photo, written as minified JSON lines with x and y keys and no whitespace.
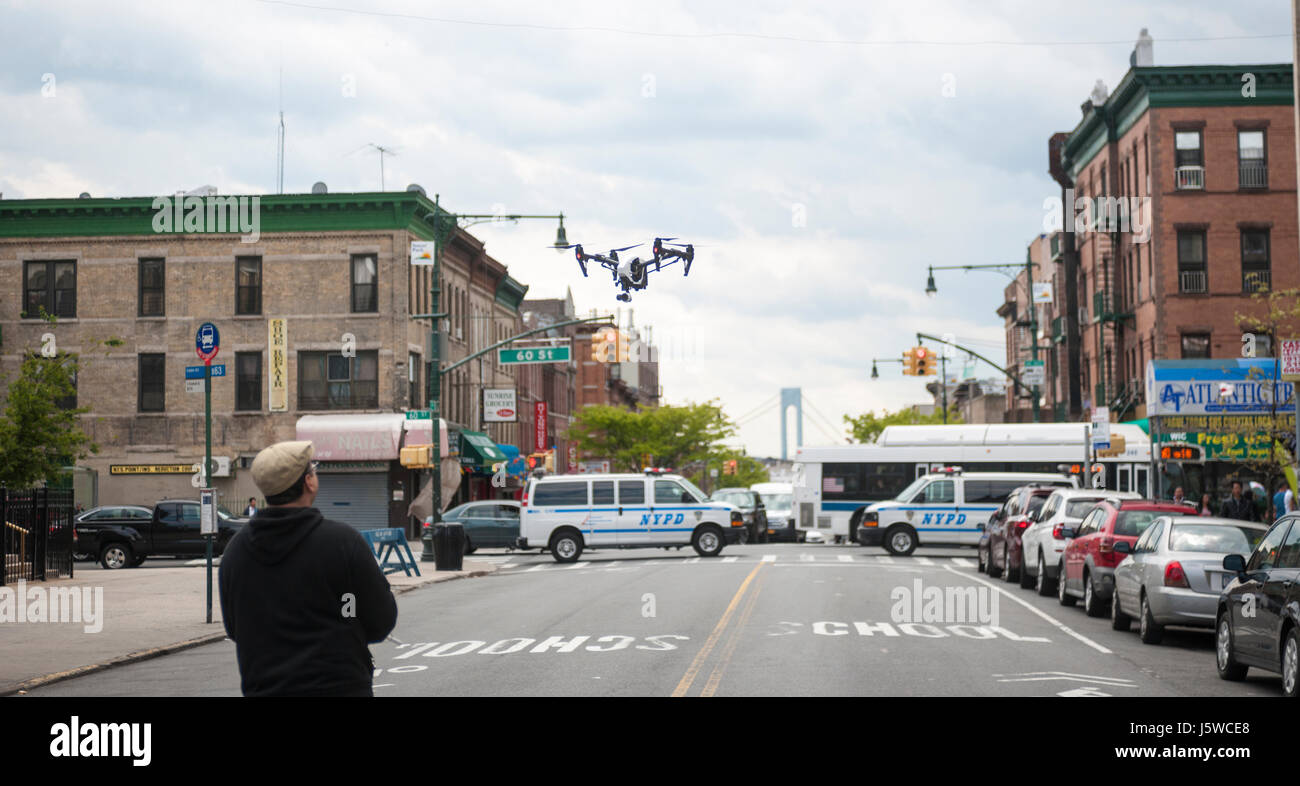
{"x":931,"y":289}
{"x":444,"y":224}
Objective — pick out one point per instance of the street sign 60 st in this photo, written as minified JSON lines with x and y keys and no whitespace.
{"x":532,"y":355}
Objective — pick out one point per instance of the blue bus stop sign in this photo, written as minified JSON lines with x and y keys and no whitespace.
{"x":207,"y":341}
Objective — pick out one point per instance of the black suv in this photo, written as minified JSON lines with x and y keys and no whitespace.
{"x":171,"y":529}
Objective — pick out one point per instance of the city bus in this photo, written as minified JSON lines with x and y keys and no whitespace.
{"x":834,"y":484}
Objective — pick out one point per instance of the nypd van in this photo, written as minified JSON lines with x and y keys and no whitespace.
{"x":948,"y":508}
{"x":566,"y":514}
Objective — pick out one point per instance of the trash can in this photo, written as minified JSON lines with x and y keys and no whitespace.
{"x":449,"y":545}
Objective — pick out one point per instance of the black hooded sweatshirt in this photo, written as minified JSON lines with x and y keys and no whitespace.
{"x":301,"y":597}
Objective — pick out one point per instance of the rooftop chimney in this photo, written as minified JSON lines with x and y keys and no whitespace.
{"x":1099,"y":93}
{"x":1143,"y":51}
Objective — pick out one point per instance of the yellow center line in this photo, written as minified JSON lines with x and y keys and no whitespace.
{"x":724,"y":660}
{"x":689,"y":676}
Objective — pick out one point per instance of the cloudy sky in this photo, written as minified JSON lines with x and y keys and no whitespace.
{"x":820,"y":154}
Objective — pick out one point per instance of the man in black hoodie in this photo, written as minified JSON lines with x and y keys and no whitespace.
{"x":301,"y":596}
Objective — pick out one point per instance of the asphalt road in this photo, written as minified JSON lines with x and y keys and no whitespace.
{"x":761,"y":620}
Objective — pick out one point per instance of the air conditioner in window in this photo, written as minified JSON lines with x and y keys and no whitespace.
{"x":1083,"y":315}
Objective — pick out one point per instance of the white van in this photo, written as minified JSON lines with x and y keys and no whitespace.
{"x":948,"y":508}
{"x":568,"y":513}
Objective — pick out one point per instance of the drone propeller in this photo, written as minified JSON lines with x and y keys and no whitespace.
{"x":627,"y":248}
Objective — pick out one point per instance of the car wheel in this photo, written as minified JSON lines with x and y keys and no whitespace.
{"x":1026,"y":578}
{"x":1118,"y":619}
{"x":469,"y":548}
{"x":1008,"y":574}
{"x":1291,"y":662}
{"x":116,"y":556}
{"x":1062,"y":596}
{"x":708,"y":541}
{"x":994,"y":571}
{"x":1091,"y":603}
{"x":1148,"y":630}
{"x":566,"y":546}
{"x":1042,"y":584}
{"x":1227,"y":666}
{"x":900,"y":540}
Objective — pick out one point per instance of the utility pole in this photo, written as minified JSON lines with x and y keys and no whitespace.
{"x":1033,"y":323}
{"x":943,"y":383}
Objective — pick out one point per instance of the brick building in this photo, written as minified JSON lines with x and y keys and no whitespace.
{"x":329,"y":274}
{"x":1188,"y":175}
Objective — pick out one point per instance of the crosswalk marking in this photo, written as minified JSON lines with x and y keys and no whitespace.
{"x":730,"y":559}
{"x":692,"y":560}
{"x":925,"y":561}
{"x":803,"y":559}
{"x":846,"y":558}
{"x":962,"y":562}
{"x":769,"y":558}
{"x":885,"y":560}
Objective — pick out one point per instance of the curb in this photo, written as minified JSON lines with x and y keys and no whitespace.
{"x":168,"y":649}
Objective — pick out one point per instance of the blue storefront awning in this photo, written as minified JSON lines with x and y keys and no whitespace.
{"x":515,"y":464}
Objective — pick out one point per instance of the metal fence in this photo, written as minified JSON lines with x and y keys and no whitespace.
{"x":36,"y":534}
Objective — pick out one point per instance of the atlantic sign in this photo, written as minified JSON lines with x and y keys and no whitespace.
{"x":1215,"y":387}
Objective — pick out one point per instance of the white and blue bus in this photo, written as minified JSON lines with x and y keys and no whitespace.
{"x":833,"y":485}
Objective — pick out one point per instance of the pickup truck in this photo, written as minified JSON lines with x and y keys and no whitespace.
{"x":124,"y":537}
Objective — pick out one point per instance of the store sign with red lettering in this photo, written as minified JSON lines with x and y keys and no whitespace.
{"x":539,"y":427}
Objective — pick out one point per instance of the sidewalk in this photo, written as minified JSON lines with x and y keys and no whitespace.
{"x":148,"y":611}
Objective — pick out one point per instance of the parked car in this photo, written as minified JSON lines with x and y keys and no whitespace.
{"x":1257,"y":623}
{"x":1043,"y":543}
{"x":751,"y":507}
{"x":1088,"y":565}
{"x":1001,"y":552}
{"x":1174,"y":573}
{"x":172,"y":530}
{"x":778,"y":500}
{"x":488,"y":523}
{"x":105,"y":515}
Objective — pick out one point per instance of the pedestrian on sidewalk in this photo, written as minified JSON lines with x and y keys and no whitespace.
{"x":1238,"y":506}
{"x":251,"y":510}
{"x":301,"y":595}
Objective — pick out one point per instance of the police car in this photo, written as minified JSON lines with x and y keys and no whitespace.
{"x":948,"y":508}
{"x":566,"y":514}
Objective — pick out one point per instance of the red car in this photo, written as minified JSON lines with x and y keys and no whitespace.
{"x":1003,"y":557}
{"x":1089,"y":562}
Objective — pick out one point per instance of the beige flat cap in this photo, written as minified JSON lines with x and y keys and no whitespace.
{"x":278,"y":467}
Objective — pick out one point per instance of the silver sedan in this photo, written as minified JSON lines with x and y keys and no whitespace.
{"x":1174,"y":572}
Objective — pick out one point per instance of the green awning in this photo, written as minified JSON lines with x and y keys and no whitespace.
{"x":477,"y":450}
{"x":1141,"y":423}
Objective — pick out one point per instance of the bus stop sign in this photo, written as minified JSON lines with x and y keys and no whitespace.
{"x":207,"y":342}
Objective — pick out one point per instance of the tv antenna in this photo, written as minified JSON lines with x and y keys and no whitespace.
{"x":392,"y":151}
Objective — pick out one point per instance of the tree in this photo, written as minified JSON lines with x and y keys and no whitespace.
{"x":673,"y":436}
{"x":867,"y":426}
{"x":38,"y":436}
{"x":39,"y":432}
{"x":749,"y":471}
{"x":1269,"y":440}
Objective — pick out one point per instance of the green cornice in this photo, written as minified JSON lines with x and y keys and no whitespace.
{"x":278,"y":213}
{"x":1150,"y":87}
{"x":510,"y":293}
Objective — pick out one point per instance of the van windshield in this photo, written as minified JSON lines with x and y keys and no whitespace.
{"x":700,"y":496}
{"x":907,"y":493}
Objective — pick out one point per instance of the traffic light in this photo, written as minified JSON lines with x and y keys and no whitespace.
{"x":624,"y":350}
{"x":925,"y":362}
{"x":416,"y":456}
{"x":909,"y":362}
{"x":729,"y":467}
{"x":607,"y":346}
{"x":598,"y":347}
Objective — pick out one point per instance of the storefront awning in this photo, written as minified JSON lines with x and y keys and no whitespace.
{"x":352,"y":437}
{"x":478,"y":451}
{"x":515,"y":462}
{"x":420,"y":432}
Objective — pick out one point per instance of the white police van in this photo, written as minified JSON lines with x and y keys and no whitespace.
{"x":947,"y":508}
{"x":569,"y":513}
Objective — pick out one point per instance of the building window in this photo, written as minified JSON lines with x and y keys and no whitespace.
{"x":51,"y":286}
{"x":1189,"y":160}
{"x":1255,"y":270}
{"x":1196,"y":345}
{"x":248,"y":381}
{"x":330,"y":380}
{"x":1191,"y":262}
{"x":248,"y":285}
{"x":69,"y":401}
{"x":365,"y":293}
{"x":151,"y":288}
{"x":413,"y":369}
{"x":153,"y":383}
{"x":1263,"y":345}
{"x":1252,"y":168}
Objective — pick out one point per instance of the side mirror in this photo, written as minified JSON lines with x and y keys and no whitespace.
{"x":1067,"y":532}
{"x":1235,"y":563}
{"x":1123,"y":547}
